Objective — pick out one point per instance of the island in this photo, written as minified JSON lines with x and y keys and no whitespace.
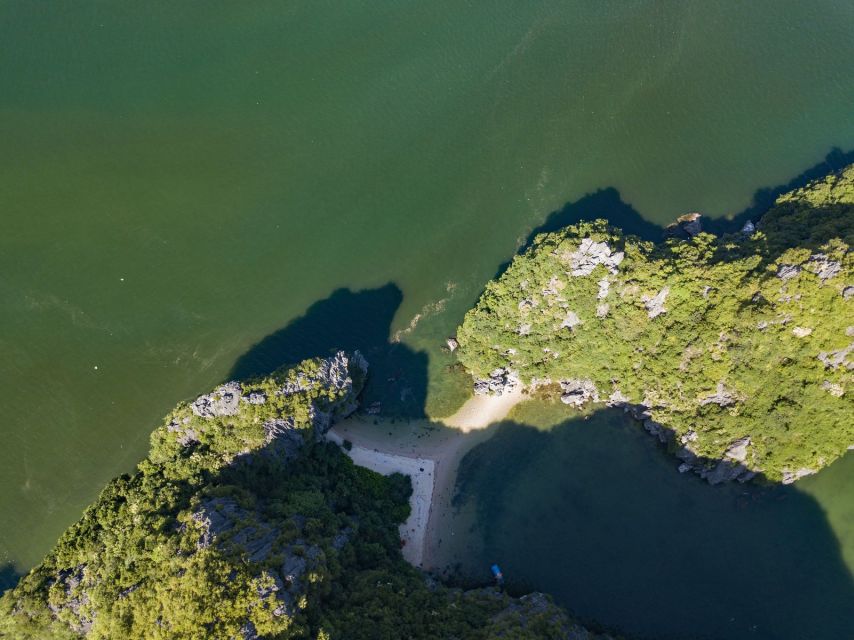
{"x":255,"y":515}
{"x":735,"y":351}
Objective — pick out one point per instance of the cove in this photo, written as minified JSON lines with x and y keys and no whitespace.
{"x":592,"y":510}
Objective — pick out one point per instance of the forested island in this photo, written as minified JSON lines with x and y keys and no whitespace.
{"x":736,"y":351}
{"x":244,"y":521}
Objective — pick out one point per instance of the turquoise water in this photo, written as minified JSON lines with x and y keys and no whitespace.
{"x":183,"y":180}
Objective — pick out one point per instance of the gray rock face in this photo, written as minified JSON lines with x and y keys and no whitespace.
{"x":570,"y":321}
{"x":722,"y":397}
{"x":655,"y":305}
{"x":838,"y":358}
{"x":256,"y":397}
{"x":332,"y":373}
{"x":224,"y":401}
{"x":690,"y":223}
{"x":590,"y":255}
{"x":822,"y":266}
{"x":577,"y":392}
{"x":186,"y":435}
{"x":452,"y":344}
{"x":788,"y":271}
{"x":790,"y":476}
{"x":75,"y":599}
{"x":848,"y":292}
{"x":499,"y":382}
{"x":748,"y":228}
{"x":738,"y":450}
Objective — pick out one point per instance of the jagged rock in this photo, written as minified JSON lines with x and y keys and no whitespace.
{"x":722,"y":397}
{"x":74,"y":599}
{"x":788,"y":271}
{"x":848,"y":292}
{"x":838,"y":358}
{"x":689,"y":436}
{"x":524,"y":329}
{"x":578,"y":392}
{"x":617,"y":399}
{"x":282,"y":438}
{"x":655,"y":305}
{"x":748,"y":228}
{"x":602,"y":309}
{"x":604,"y":286}
{"x":790,"y":476}
{"x":256,"y":397}
{"x":591,"y":254}
{"x":686,"y":226}
{"x":738,"y":449}
{"x":452,"y":344}
{"x":822,"y":266}
{"x":500,"y":381}
{"x":801,"y":332}
{"x":570,"y":321}
{"x":527,"y":304}
{"x":186,"y":435}
{"x":332,"y":372}
{"x":224,"y":401}
{"x":725,"y":471}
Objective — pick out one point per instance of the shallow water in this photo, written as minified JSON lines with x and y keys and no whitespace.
{"x":182,"y":180}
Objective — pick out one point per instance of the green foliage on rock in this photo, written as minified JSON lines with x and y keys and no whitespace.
{"x":737,"y":348}
{"x":244,"y":523}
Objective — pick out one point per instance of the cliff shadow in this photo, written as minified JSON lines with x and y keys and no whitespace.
{"x":9,"y":577}
{"x":603,"y":203}
{"x":764,"y":197}
{"x":350,"y":320}
{"x":591,"y":512}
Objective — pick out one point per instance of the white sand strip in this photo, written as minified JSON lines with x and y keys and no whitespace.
{"x":421,"y":472}
{"x":481,"y":411}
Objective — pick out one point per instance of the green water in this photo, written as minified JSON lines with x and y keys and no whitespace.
{"x":593,"y":511}
{"x":181,"y":180}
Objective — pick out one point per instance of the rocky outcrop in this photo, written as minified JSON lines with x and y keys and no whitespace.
{"x":577,"y":392}
{"x":837,"y":358}
{"x":590,"y":255}
{"x":822,"y":266}
{"x":686,"y":226}
{"x":499,"y":382}
{"x":655,"y":305}
{"x":722,"y":397}
{"x":224,"y":401}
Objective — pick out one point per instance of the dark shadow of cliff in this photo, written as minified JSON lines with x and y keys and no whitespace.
{"x":591,"y":512}
{"x":763,"y":199}
{"x":604,"y":203}
{"x":350,"y":320}
{"x":9,"y":577}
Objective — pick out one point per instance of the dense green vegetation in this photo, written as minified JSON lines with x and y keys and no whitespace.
{"x":737,"y":348}
{"x":243,"y":523}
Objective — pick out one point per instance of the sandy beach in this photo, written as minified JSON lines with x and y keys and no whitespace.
{"x":429,"y":453}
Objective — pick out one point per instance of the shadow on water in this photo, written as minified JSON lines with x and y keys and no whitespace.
{"x":764,"y":198}
{"x":8,"y":577}
{"x":350,"y":320}
{"x":593,"y":512}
